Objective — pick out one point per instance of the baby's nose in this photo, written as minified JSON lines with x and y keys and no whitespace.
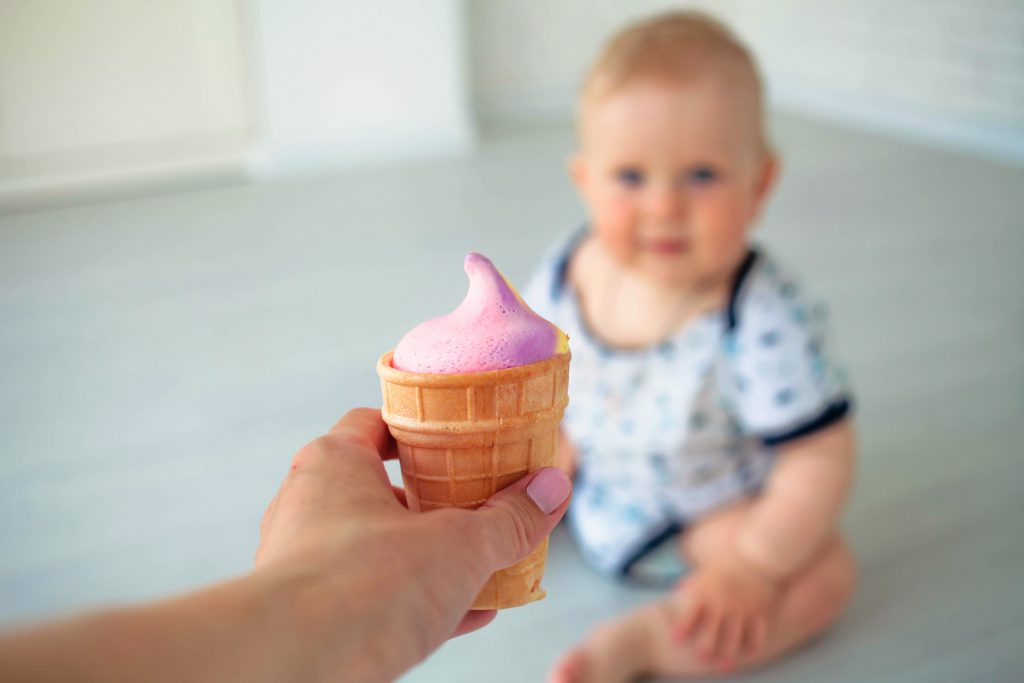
{"x":666,"y":202}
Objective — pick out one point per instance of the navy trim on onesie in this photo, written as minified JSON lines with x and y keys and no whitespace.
{"x":650,"y":545}
{"x":741,"y":276}
{"x":562,"y":267}
{"x":833,"y":413}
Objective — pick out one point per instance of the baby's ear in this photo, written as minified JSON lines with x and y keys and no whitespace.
{"x":764,"y":182}
{"x":767,"y":178}
{"x":577,"y":168}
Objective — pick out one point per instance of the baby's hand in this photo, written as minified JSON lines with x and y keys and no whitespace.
{"x":724,"y":611}
{"x":565,"y":456}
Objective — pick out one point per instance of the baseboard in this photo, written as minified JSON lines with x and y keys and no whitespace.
{"x":267,"y":161}
{"x":55,"y":190}
{"x":1004,"y":144}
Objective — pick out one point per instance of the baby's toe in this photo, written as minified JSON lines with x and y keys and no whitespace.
{"x":570,"y":668}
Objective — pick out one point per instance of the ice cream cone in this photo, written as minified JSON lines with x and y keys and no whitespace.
{"x":464,"y":437}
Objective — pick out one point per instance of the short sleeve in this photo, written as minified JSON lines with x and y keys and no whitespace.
{"x":782,"y":381}
{"x":544,"y":289}
{"x":538,"y":291}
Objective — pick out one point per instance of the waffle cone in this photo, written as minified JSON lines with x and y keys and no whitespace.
{"x":463,"y":438}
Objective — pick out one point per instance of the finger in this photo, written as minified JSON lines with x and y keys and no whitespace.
{"x":706,"y":637}
{"x":756,"y":637}
{"x":518,"y":518}
{"x":746,"y":635}
{"x":689,"y":620}
{"x":343,"y":469}
{"x":474,"y":619}
{"x":268,"y":515}
{"x":729,"y":641}
{"x":264,"y":527}
{"x":366,"y":425}
{"x":400,"y":495}
{"x":336,"y":463}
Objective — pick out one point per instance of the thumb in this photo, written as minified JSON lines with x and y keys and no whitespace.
{"x":518,"y":518}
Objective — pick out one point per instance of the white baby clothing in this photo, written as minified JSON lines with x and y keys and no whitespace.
{"x":668,"y":433}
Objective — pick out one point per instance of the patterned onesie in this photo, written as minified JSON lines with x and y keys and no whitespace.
{"x":671,"y":432}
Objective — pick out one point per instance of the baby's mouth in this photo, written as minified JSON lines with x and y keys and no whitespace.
{"x":666,"y":246}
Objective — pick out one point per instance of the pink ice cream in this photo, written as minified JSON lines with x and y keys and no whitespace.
{"x":492,"y":329}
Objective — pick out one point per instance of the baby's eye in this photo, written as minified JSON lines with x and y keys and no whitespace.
{"x":630,"y":177}
{"x":701,"y":175}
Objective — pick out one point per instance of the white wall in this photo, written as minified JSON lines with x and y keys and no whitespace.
{"x":99,"y":97}
{"x":347,"y":82}
{"x":527,"y":57}
{"x":104,"y":92}
{"x":946,"y":71}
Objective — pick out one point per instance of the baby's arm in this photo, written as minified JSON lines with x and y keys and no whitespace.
{"x":799,"y":508}
{"x":773,"y":555}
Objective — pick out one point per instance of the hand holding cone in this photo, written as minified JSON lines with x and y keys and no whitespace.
{"x":463,"y":436}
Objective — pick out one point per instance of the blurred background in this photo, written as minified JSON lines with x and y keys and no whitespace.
{"x":216,"y":214}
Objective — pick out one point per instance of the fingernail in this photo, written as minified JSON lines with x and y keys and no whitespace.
{"x":549,"y":489}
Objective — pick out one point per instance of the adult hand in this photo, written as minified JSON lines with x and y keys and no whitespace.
{"x":385,"y":585}
{"x":349,"y":584}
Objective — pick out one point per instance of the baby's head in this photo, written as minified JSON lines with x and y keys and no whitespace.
{"x":673,"y":162}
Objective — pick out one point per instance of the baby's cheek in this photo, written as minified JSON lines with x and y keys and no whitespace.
{"x":615,"y":227}
{"x":728,"y":239}
{"x":724,"y":230}
{"x":621,"y":248}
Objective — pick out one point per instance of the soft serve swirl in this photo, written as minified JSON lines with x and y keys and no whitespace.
{"x":492,"y":329}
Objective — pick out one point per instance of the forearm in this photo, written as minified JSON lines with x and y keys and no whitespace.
{"x":255,"y":628}
{"x":801,"y":504}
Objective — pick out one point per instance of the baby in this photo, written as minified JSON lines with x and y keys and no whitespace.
{"x":707,"y":423}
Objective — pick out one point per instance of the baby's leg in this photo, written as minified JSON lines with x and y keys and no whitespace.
{"x":641,"y":642}
{"x":811,"y":600}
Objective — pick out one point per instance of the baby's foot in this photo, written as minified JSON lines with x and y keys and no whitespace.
{"x":640,"y":643}
{"x":571,"y":667}
{"x":616,"y":652}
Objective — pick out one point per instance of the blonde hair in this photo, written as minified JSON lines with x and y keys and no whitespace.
{"x":675,"y":48}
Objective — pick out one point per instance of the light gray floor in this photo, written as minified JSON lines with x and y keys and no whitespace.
{"x":162,"y":357}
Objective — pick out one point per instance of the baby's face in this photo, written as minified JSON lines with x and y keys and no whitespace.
{"x":673,"y":176}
